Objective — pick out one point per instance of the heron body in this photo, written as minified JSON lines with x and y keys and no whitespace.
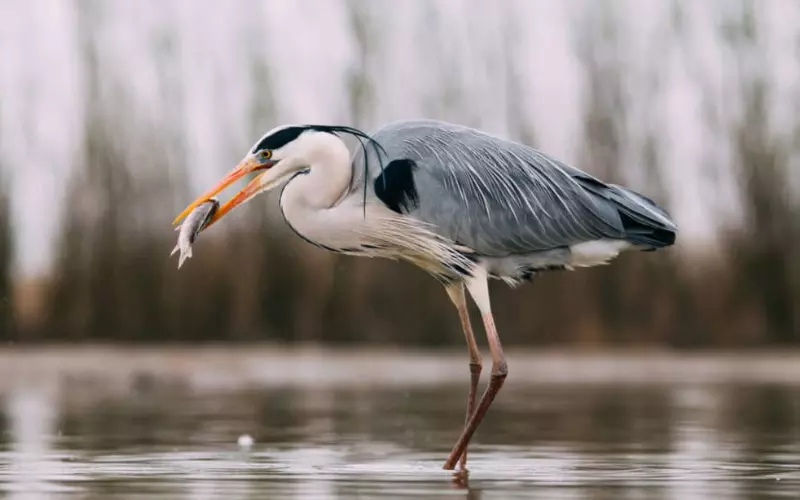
{"x":461,"y":204}
{"x":488,"y":202}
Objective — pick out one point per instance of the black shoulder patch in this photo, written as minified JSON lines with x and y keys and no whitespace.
{"x":395,"y":186}
{"x":280,"y":138}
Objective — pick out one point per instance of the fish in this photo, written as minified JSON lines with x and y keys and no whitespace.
{"x":195,"y":222}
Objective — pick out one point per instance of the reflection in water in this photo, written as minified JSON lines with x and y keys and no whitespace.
{"x":31,"y":415}
{"x":120,"y":431}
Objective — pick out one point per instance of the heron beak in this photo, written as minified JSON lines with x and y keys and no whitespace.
{"x":245,"y":167}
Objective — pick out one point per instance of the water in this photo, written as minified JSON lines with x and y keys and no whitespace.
{"x":95,"y":423}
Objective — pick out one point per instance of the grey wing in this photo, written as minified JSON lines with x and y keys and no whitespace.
{"x":499,"y":197}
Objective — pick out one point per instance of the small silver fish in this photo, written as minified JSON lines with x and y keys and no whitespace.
{"x":191,"y":227}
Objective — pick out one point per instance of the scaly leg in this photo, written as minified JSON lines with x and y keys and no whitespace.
{"x":456,"y":294}
{"x":479,"y":289}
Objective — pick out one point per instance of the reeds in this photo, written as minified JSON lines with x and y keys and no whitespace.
{"x":113,"y":279}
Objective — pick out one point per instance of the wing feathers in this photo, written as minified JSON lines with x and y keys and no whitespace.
{"x":499,"y":197}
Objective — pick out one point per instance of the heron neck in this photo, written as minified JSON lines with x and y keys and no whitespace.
{"x":310,"y":202}
{"x":324,"y":181}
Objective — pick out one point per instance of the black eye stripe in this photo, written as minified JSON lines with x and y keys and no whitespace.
{"x":280,"y":138}
{"x":286,"y":135}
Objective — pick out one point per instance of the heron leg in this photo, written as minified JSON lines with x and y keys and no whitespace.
{"x":457,"y":295}
{"x":478,"y":287}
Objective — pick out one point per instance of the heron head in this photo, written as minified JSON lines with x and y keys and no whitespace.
{"x":276,"y":157}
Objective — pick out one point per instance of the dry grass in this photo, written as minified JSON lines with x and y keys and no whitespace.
{"x":114,"y":281}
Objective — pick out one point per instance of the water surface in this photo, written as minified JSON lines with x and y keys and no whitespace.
{"x":101,"y":423}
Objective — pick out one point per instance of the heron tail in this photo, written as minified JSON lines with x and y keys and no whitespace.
{"x":645,"y":223}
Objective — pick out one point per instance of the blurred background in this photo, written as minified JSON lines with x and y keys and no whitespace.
{"x":114,"y":115}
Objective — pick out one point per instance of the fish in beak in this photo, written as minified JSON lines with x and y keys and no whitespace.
{"x":191,"y":226}
{"x":244,"y":168}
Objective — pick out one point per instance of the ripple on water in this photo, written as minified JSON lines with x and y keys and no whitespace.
{"x":408,"y":472}
{"x":565,"y":439}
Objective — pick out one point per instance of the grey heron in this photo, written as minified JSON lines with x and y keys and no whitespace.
{"x":461,"y":204}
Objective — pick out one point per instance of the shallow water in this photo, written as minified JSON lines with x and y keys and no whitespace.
{"x":164,"y":423}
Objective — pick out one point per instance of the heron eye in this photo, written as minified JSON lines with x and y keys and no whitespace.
{"x":266,"y":154}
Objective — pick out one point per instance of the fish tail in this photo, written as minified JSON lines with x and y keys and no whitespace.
{"x":184,"y":255}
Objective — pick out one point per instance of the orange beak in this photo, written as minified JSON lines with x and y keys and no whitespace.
{"x":245,"y":167}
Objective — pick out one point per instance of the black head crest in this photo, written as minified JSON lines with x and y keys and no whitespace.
{"x":279,"y":138}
